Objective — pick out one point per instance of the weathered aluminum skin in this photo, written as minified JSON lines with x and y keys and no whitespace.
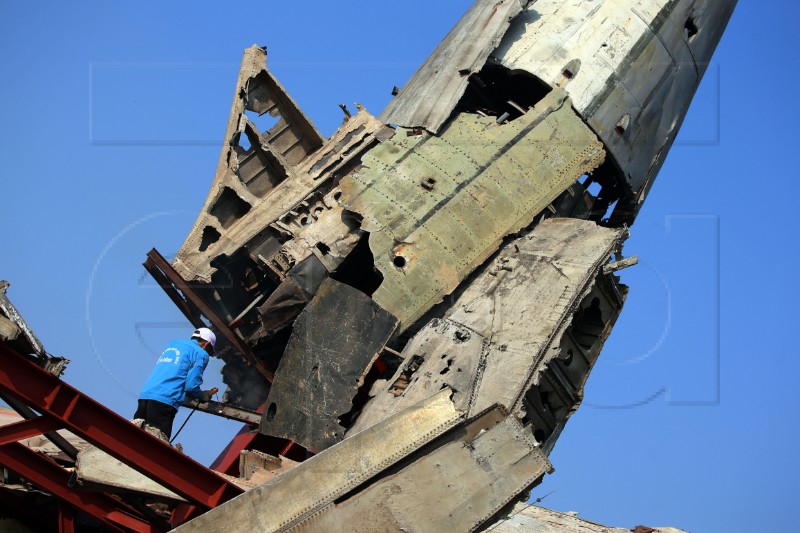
{"x":318,"y":482}
{"x":97,"y":470}
{"x":465,"y":470}
{"x":437,"y":206}
{"x":504,"y":330}
{"x":456,"y":487}
{"x":527,"y":518}
{"x":631,"y":67}
{"x":428,"y":98}
{"x":257,"y":185}
{"x":609,"y":56}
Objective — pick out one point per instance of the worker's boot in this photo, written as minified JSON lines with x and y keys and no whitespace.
{"x":154,"y":431}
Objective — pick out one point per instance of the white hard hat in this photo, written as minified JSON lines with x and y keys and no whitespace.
{"x":206,"y":335}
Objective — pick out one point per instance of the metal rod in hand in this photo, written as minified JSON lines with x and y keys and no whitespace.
{"x":184,"y":423}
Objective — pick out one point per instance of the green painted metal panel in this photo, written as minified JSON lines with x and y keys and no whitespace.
{"x":437,"y":206}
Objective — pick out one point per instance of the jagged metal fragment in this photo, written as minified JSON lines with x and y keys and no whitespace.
{"x":334,"y":341}
{"x":442,"y":354}
{"x":262,"y":175}
{"x":28,"y":343}
{"x":436,"y":207}
{"x":289,"y":299}
{"x":630,"y":67}
{"x":319,"y":481}
{"x":527,"y":294}
{"x":528,"y":518}
{"x":509,"y":323}
{"x":16,"y":332}
{"x":428,"y":99}
{"x":455,"y":487}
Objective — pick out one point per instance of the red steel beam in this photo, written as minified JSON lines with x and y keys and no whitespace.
{"x":27,"y":413}
{"x":175,"y":279}
{"x":174,"y":295}
{"x":28,"y":428}
{"x":66,"y":518}
{"x":52,"y":478}
{"x":111,"y":433}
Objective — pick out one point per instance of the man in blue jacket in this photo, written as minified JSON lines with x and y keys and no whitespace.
{"x":178,"y":373}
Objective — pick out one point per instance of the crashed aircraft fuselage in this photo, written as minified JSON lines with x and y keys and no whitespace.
{"x":444,"y":258}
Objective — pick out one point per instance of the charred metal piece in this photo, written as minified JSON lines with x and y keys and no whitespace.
{"x":334,"y":341}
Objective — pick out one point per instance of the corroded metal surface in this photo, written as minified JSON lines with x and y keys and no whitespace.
{"x":511,"y":329}
{"x":316,"y":483}
{"x":484,"y":181}
{"x":262,"y":175}
{"x":456,"y":487}
{"x":443,"y":354}
{"x":428,"y":99}
{"x":335,"y":339}
{"x":527,"y":518}
{"x":526,"y":144}
{"x":470,"y":468}
{"x":523,"y":107}
{"x":483,"y":194}
{"x":631,"y":68}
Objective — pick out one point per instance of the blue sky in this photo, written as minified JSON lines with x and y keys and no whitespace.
{"x":112,"y":117}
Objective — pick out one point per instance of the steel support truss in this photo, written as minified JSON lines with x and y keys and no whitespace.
{"x":61,"y":406}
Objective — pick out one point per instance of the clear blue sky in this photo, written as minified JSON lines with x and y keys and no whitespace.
{"x":112,"y":117}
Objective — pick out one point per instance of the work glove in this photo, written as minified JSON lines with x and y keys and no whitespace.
{"x":208,"y":394}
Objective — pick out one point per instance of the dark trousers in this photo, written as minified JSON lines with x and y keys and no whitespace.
{"x":157,"y":414}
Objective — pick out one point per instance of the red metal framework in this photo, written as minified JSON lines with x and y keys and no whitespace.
{"x":49,"y":476}
{"x":62,"y":406}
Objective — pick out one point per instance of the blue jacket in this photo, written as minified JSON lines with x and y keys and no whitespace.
{"x":178,"y":373}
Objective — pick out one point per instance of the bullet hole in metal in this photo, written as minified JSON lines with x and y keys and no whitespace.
{"x":428,"y":184}
{"x":622,"y":124}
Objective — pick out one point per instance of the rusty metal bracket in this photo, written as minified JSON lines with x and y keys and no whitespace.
{"x":172,"y":282}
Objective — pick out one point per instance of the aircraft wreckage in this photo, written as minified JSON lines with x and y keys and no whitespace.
{"x":411,"y":307}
